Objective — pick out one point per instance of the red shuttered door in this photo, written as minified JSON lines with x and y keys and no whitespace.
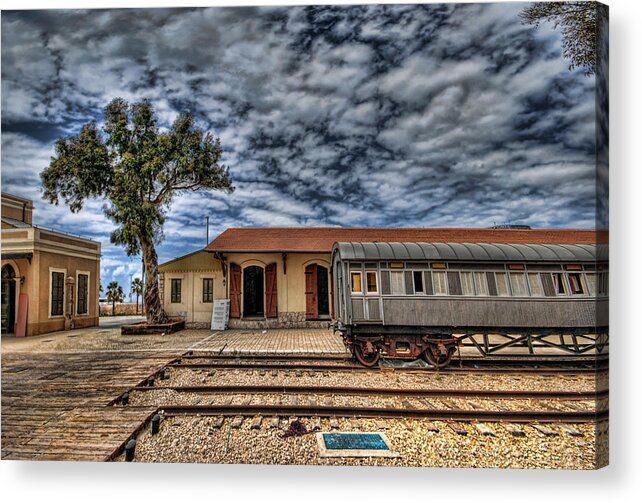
{"x":271,"y":310}
{"x":311,"y":302}
{"x":235,"y":291}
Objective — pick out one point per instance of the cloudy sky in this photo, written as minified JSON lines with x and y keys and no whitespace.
{"x":378,"y":115}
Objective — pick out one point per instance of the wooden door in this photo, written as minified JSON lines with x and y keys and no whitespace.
{"x":235,"y":291}
{"x":271,"y":298}
{"x":311,"y":302}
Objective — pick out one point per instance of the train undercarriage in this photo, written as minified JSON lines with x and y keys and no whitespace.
{"x":437,"y":345}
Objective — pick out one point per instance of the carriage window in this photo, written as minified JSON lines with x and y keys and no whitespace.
{"x":385,"y":283}
{"x":590,"y":282}
{"x":439,"y":283}
{"x":371,"y":282}
{"x":518,"y":284}
{"x":492,"y":284}
{"x":558,"y":282}
{"x":428,"y":283}
{"x":575,"y":282}
{"x":396,"y":283}
{"x":467,"y":287}
{"x":481,"y":286}
{"x":602,"y":287}
{"x":547,"y":283}
{"x":535,"y":284}
{"x":454,"y":284}
{"x":417,"y":277}
{"x":355,"y":281}
{"x":502,"y":285}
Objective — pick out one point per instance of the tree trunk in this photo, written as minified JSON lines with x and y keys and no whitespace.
{"x":153,"y":307}
{"x":113,"y":308}
{"x":136,"y":303}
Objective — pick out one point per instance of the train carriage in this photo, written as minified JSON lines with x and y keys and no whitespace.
{"x":407,"y":300}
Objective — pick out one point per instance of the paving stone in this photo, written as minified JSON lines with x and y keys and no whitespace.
{"x":256,"y":423}
{"x":237,"y":422}
{"x":274,"y":422}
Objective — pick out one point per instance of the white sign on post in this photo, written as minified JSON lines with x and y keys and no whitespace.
{"x":220,"y":314}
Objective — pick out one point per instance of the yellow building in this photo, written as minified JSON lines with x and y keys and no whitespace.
{"x":50,"y":279}
{"x":189,"y":285}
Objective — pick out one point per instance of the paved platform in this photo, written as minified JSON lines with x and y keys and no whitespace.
{"x":273,"y":341}
{"x":57,"y":387}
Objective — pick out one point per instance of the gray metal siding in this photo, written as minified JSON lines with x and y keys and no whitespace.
{"x":482,"y":252}
{"x":357,"y":310}
{"x":374,"y":313}
{"x":489,"y":312}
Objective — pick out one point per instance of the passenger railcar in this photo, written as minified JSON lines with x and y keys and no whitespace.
{"x":407,"y":300}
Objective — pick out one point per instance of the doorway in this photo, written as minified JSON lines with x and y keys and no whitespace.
{"x":322,"y":291}
{"x":8,"y":295}
{"x":317,"y":299}
{"x":253,"y":291}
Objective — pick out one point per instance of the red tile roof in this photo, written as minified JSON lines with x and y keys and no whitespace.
{"x":321,"y":239}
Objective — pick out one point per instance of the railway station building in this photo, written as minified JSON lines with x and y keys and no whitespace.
{"x":281,"y":277}
{"x":50,"y":279}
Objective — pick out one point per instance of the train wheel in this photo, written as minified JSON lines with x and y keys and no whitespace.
{"x":366,"y":353}
{"x":433,"y":354}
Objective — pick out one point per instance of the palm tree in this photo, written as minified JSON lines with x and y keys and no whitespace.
{"x":114,"y":294}
{"x":137,"y":289}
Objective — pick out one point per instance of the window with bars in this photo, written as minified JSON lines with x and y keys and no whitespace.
{"x":57,"y":293}
{"x":83,"y":291}
{"x":176,"y":291}
{"x":208,"y":290}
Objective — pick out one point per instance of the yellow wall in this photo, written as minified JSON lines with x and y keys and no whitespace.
{"x":17,"y":208}
{"x":191,"y":270}
{"x":291,"y":281}
{"x":67,"y":254}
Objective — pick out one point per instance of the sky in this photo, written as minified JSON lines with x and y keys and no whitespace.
{"x":437,"y":115}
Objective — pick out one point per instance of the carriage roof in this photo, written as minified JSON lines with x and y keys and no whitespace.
{"x":477,"y":252}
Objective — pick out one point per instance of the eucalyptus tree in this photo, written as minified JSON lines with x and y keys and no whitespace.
{"x":137,"y":168}
{"x":582,"y":26}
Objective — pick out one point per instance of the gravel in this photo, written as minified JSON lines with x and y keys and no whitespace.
{"x":428,"y":379}
{"x":197,"y":440}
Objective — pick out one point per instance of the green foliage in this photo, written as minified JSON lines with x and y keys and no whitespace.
{"x":114,"y":292}
{"x":581,"y":28}
{"x":137,"y":168}
{"x":137,"y":287}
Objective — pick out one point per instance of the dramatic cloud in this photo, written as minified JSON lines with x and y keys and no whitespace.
{"x":377,"y":115}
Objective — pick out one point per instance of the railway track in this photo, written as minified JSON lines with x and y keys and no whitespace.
{"x":385,"y":412}
{"x":379,"y":391}
{"x":468,"y":367}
